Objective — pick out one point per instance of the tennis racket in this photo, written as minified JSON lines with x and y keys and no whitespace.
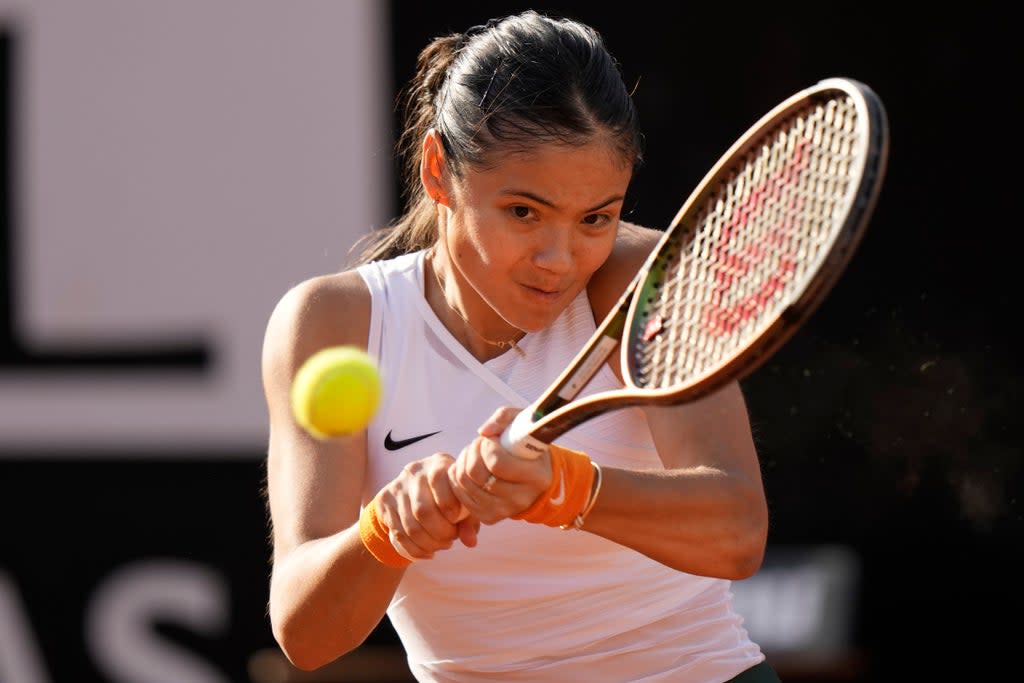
{"x":745,"y":262}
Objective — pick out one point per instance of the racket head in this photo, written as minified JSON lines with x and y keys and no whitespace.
{"x":758,"y":244}
{"x":749,"y":256}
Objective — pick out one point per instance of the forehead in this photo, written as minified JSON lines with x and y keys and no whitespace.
{"x":592,"y":167}
{"x":497,"y":152}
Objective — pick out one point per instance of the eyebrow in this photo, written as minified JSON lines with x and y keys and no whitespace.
{"x":546,"y":202}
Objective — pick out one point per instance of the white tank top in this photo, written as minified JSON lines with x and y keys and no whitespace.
{"x":529,"y":602}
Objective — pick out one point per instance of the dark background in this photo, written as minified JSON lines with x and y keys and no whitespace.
{"x":888,"y":424}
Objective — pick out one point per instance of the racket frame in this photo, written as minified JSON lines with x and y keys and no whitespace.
{"x":557,"y":410}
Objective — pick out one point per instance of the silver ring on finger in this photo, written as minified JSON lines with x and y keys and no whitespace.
{"x":489,"y":484}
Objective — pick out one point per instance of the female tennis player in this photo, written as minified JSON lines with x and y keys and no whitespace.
{"x":608,"y":557}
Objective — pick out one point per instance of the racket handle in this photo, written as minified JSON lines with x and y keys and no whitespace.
{"x":518,"y":440}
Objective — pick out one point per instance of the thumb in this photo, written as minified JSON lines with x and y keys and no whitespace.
{"x":498,"y":422}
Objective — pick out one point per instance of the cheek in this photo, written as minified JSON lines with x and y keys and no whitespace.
{"x":479,"y":240}
{"x":477,"y":250}
{"x":593,"y":252}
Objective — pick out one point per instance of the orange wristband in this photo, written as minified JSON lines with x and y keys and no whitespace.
{"x":572,"y":477}
{"x":374,"y":534}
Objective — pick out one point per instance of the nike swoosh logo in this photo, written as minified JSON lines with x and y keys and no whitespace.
{"x":393,"y":445}
{"x":560,"y":498}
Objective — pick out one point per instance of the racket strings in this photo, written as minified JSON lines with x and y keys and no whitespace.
{"x":758,"y":237}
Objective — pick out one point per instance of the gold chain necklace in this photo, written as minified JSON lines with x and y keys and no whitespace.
{"x":504,"y":345}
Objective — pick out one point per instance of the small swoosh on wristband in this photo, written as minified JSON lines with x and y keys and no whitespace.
{"x":560,"y":498}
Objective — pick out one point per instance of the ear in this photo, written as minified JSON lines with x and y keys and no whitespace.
{"x":432,"y":167}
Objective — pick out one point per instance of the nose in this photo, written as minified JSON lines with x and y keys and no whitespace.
{"x":554,"y":251}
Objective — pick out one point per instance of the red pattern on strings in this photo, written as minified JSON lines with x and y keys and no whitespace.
{"x":733,"y":265}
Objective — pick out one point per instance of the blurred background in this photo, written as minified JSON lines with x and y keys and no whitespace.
{"x":170,"y":169}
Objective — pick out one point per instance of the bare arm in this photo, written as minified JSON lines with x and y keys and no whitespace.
{"x":706,"y":512}
{"x":327,"y":593}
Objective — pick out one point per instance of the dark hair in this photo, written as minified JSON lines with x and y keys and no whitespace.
{"x":509,"y":84}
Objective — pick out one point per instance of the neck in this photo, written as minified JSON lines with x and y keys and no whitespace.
{"x":446,"y":301}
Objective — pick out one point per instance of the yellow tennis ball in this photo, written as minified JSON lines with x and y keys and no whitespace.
{"x":336,"y":392}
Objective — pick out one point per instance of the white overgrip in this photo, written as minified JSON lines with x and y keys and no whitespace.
{"x":517,"y":439}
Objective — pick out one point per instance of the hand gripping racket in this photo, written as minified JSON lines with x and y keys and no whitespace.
{"x":747,"y":259}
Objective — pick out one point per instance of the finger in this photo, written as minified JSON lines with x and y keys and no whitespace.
{"x":443,"y":488}
{"x":468,"y":532}
{"x":498,"y":422}
{"x":421,"y":526}
{"x":399,"y":547}
{"x":468,"y":474}
{"x":427,"y":533}
{"x":457,"y":471}
{"x":491,"y":454}
{"x":474,"y":485}
{"x":399,"y":519}
{"x":449,"y":495}
{"x":465,"y":491}
{"x":480,"y":463}
{"x":484,"y":493}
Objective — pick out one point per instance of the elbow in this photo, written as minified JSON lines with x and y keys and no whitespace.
{"x":745,"y":552}
{"x":742,"y":560}
{"x":298,"y":649}
{"x":291,"y":647}
{"x":309,"y":649}
{"x":745,"y":565}
{"x":303,"y":661}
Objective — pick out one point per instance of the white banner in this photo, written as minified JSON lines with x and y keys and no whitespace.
{"x":178,"y":166}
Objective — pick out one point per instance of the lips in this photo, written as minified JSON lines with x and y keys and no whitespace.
{"x":552,"y":287}
{"x":544,"y":294}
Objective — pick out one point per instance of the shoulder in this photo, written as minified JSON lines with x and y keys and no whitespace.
{"x":325,"y":310}
{"x":633,"y":245}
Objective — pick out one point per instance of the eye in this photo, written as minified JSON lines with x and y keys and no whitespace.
{"x":521,"y":212}
{"x":597,"y":220}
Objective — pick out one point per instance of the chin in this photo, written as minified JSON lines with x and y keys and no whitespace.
{"x":536,"y":323}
